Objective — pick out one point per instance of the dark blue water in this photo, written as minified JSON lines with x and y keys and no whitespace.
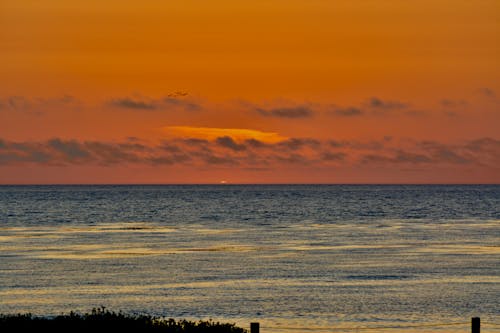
{"x":285,"y":255}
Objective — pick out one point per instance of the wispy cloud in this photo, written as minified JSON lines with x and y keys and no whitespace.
{"x":373,"y":106}
{"x":380,"y":104}
{"x":287,"y":112}
{"x":174,"y":100}
{"x":488,"y":92}
{"x":38,"y":105}
{"x":347,"y":111}
{"x":135,"y":104}
{"x":453,"y":103}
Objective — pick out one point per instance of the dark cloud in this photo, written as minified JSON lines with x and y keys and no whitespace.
{"x":134,"y":146}
{"x":484,"y":145}
{"x":129,"y":103}
{"x":329,"y":156}
{"x":19,"y":152}
{"x":18,"y":103}
{"x":481,"y":152}
{"x":487,"y":92}
{"x":444,"y":153}
{"x":374,"y":158}
{"x":254,"y":143}
{"x":71,"y":149}
{"x":63,"y":152}
{"x":194,"y":142}
{"x":298,"y":143}
{"x":293,"y":159}
{"x":287,"y":112}
{"x":228,"y":142}
{"x":370,"y":145}
{"x":226,"y":151}
{"x":347,"y":112}
{"x":372,"y":106}
{"x":109,"y":153}
{"x":176,"y":102}
{"x":449,"y":156}
{"x":379,"y":104}
{"x":26,"y":157}
{"x":169,"y":160}
{"x":37,"y":105}
{"x":399,"y":157}
{"x":453,"y":103}
{"x":408,"y":157}
{"x":173,"y":100}
{"x":170,"y":147}
{"x":338,"y":144}
{"x":213,"y":159}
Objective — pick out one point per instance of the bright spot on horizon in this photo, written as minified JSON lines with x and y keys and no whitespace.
{"x":223,"y":182}
{"x":212,"y":133}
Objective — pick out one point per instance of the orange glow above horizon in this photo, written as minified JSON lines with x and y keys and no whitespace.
{"x":330,"y":91}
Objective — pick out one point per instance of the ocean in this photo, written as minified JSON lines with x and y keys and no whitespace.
{"x":315,"y":258}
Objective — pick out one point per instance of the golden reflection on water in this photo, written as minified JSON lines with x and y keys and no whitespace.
{"x":17,"y":240}
{"x":138,"y":239}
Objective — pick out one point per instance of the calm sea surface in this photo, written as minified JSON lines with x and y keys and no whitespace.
{"x":290,"y":257}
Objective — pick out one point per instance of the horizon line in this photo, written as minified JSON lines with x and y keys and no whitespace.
{"x":237,"y":184}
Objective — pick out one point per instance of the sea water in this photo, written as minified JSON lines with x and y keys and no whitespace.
{"x":293,"y":257}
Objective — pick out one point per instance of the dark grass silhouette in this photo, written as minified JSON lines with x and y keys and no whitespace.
{"x":102,"y":320}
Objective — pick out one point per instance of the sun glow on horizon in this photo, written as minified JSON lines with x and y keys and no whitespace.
{"x":211,"y":133}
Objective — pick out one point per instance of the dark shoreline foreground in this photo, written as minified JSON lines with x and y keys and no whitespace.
{"x":102,"y":320}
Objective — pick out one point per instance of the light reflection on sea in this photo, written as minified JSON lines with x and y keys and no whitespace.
{"x":285,"y":256}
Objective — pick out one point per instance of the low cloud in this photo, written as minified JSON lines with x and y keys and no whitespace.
{"x":485,"y":91}
{"x":347,"y":112}
{"x":373,"y":106}
{"x":298,"y":143}
{"x":38,"y":105}
{"x":287,"y":112}
{"x":409,"y":157}
{"x":358,"y":145}
{"x":228,"y":142}
{"x":18,"y":103}
{"x":210,"y":158}
{"x":182,"y":103}
{"x":293,"y":158}
{"x":173,"y":100}
{"x":484,"y":145}
{"x":445,"y":153}
{"x":129,"y":103}
{"x":379,"y":104}
{"x":453,"y":103}
{"x":329,"y":156}
{"x":251,"y":153}
{"x":71,"y":150}
{"x":398,"y":157}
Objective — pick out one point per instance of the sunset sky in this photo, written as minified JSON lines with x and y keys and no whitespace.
{"x":275,"y":91}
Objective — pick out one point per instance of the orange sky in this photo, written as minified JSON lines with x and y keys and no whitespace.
{"x":273,"y":91}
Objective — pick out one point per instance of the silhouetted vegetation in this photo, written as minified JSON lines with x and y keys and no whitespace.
{"x":102,"y":320}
